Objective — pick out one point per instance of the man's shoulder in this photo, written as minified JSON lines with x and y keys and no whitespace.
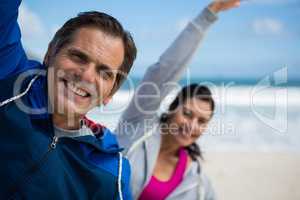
{"x":29,"y":68}
{"x":110,"y":157}
{"x":17,"y":83}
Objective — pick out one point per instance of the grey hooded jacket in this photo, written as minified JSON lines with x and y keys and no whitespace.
{"x":138,"y":127}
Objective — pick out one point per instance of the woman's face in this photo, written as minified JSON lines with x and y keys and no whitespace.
{"x":189,"y":121}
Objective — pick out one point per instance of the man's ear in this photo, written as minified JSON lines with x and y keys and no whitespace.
{"x":107,"y":100}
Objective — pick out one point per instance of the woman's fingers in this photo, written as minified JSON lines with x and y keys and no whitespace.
{"x":225,"y":5}
{"x":221,"y":5}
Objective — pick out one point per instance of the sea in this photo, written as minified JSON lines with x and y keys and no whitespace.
{"x":251,"y":115}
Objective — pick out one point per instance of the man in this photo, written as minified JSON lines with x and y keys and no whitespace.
{"x":50,"y":150}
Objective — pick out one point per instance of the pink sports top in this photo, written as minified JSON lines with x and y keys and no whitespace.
{"x":159,"y":190}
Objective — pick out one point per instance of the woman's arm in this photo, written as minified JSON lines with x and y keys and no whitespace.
{"x":160,"y":77}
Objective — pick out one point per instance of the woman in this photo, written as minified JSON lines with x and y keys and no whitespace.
{"x":162,"y":150}
{"x":184,"y":122}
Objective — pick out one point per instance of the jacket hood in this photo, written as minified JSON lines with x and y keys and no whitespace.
{"x":104,"y":139}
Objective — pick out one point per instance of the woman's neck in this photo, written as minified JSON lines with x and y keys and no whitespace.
{"x":168,"y":147}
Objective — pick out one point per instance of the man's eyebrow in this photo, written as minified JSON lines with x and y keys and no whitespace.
{"x":79,"y":53}
{"x":104,"y":67}
{"x":83,"y":56}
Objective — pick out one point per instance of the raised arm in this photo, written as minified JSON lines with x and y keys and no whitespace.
{"x":12,"y":55}
{"x":162,"y":76}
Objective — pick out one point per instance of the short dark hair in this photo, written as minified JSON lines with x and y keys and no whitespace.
{"x":106,"y":23}
{"x":201,"y":92}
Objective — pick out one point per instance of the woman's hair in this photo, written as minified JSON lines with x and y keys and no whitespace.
{"x":200,"y":92}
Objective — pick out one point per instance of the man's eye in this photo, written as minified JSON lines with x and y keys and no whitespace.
{"x":106,"y":75}
{"x":77,"y":59}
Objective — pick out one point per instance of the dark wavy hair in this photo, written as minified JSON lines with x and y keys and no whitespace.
{"x":200,"y":92}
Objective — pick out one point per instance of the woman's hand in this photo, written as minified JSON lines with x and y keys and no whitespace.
{"x":222,"y":5}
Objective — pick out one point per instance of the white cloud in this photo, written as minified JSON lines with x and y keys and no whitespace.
{"x":30,"y":23}
{"x":268,"y":26}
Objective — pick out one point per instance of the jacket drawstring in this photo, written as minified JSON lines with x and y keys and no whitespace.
{"x":20,"y":95}
{"x":120,"y":176}
{"x":137,"y":143}
{"x":201,"y":191}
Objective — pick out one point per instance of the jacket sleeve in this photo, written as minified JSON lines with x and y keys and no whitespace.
{"x":12,"y":55}
{"x":209,"y":190}
{"x":161,"y":78}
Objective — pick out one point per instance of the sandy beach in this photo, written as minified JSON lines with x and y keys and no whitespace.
{"x":254,"y":176}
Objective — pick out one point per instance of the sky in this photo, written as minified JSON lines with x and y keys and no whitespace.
{"x":253,"y":41}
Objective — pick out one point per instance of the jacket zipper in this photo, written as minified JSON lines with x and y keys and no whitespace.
{"x":35,"y":167}
{"x":54,"y":142}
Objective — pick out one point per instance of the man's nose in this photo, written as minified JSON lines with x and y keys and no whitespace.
{"x":89,"y":74}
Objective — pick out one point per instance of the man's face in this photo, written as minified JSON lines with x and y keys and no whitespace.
{"x":83,"y":73}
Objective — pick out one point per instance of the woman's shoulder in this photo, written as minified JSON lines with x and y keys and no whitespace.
{"x":196,"y":170}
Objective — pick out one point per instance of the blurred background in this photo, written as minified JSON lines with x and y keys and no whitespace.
{"x":249,"y":58}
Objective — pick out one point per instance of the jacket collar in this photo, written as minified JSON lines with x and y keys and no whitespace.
{"x":191,"y":180}
{"x":106,"y":144}
{"x":103,"y":141}
{"x":193,"y":173}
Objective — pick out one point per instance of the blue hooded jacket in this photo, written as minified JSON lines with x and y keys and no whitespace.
{"x":34,"y":163}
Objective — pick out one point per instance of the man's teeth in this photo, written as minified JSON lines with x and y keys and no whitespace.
{"x":77,"y":90}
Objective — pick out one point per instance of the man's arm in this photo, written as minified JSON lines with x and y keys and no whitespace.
{"x":161,"y":77}
{"x":12,"y":55}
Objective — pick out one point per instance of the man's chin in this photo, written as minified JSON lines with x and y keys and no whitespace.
{"x":70,"y":109}
{"x":78,"y":111}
